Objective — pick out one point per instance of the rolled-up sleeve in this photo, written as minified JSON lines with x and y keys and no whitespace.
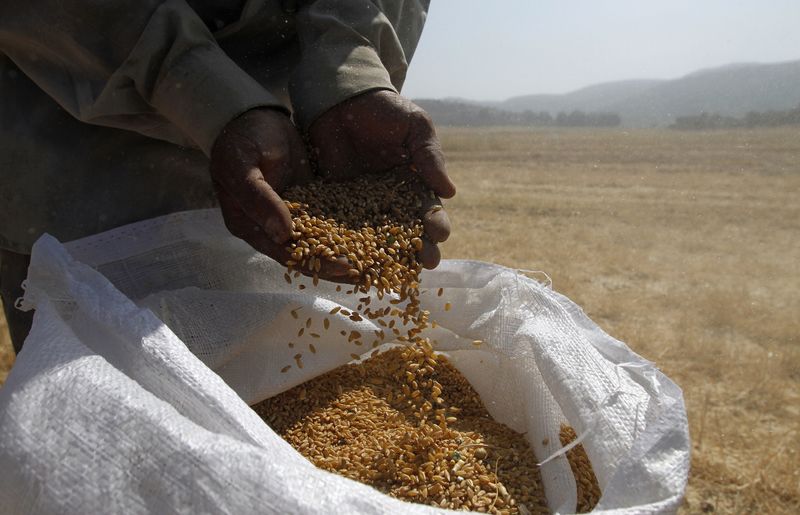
{"x":143,"y":65}
{"x":350,"y":47}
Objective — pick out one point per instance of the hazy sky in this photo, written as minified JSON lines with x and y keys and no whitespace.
{"x":493,"y":50}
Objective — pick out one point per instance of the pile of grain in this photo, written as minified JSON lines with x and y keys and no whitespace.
{"x":404,"y":421}
{"x":585,"y":480}
{"x":355,"y":421}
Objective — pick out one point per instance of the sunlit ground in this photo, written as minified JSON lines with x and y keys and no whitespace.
{"x":685,"y":245}
{"x":6,"y":351}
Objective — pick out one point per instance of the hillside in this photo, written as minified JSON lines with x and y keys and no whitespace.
{"x":731,"y":90}
{"x":598,"y":97}
{"x":728,"y":91}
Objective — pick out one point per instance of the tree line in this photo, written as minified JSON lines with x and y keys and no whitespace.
{"x":462,"y":114}
{"x":750,"y":120}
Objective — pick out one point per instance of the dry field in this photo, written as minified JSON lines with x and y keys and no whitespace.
{"x":684,"y":245}
{"x":6,"y":352}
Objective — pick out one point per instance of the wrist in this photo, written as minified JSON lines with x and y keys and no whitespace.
{"x":203,"y":90}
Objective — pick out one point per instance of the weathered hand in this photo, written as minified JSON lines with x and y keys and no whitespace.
{"x":256,"y":156}
{"x":380,"y":131}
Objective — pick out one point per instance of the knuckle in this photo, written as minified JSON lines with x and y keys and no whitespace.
{"x":432,"y":146}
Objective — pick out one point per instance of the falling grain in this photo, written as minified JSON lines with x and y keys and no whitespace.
{"x":422,"y":434}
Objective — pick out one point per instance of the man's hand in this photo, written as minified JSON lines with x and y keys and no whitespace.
{"x":256,"y":157}
{"x":380,"y":131}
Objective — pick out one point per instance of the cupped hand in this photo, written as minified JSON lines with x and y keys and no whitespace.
{"x":380,"y":131}
{"x":256,"y":156}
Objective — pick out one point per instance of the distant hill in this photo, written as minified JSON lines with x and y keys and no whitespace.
{"x":731,"y":90}
{"x":592,"y":98}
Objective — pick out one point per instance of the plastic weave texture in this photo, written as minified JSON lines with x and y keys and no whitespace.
{"x":149,"y":343}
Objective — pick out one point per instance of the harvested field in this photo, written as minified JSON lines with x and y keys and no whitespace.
{"x":685,"y":245}
{"x":6,"y":351}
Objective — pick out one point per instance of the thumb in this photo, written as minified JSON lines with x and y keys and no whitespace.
{"x":263,"y":205}
{"x":427,"y":157}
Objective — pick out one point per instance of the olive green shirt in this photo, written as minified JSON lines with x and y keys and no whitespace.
{"x":108,"y":110}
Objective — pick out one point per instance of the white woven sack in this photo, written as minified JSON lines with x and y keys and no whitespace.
{"x":150,"y":341}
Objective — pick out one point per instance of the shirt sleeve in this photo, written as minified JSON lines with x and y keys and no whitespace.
{"x":143,"y":65}
{"x":349,"y":47}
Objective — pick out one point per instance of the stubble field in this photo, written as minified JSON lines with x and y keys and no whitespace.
{"x":685,"y":245}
